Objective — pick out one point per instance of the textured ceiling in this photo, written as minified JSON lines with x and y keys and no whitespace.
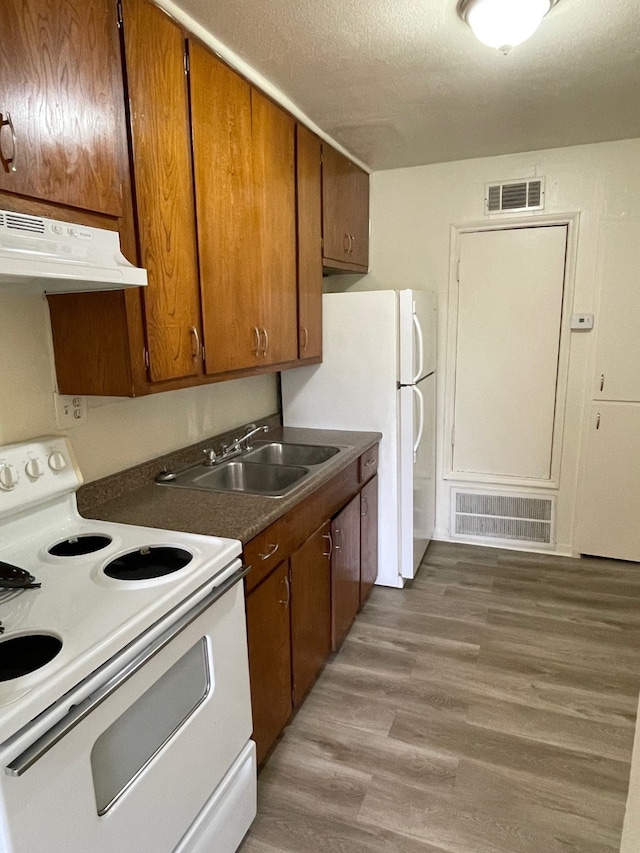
{"x":404,"y":82}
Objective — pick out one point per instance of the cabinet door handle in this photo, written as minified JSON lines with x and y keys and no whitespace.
{"x":352,"y":243}
{"x":338,"y":533}
{"x":364,"y":507}
{"x":195,"y":350}
{"x":266,"y":341}
{"x":271,"y":550}
{"x":346,"y":243}
{"x":602,"y":382}
{"x":8,"y":163}
{"x":305,"y":337}
{"x":256,"y":332}
{"x":288,"y":585}
{"x":328,"y":553}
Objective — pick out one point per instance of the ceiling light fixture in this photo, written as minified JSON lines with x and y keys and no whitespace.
{"x":504,"y":23}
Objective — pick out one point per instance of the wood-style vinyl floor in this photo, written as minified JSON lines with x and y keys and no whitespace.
{"x":488,"y":707}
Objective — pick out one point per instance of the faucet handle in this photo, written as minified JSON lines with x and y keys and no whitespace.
{"x":211,"y":456}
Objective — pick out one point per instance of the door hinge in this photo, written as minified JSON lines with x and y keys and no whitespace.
{"x":453,"y":436}
{"x":146,"y":357}
{"x":119,"y":14}
{"x":458,"y":271}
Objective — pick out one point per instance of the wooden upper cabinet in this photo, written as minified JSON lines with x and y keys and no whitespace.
{"x":162,"y":177}
{"x":243,"y":150}
{"x":61,"y":103}
{"x":345,"y":212}
{"x":227,"y":219}
{"x":309,"y":221}
{"x":274,"y":198}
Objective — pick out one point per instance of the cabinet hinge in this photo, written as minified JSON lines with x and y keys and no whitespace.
{"x":203,"y":353}
{"x":146,"y":357}
{"x":119,"y":14}
{"x":186,"y":62}
{"x":322,"y":243}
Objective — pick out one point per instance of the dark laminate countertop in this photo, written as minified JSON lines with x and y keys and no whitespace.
{"x":133,"y":497}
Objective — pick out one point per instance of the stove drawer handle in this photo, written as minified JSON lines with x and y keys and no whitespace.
{"x":33,"y":753}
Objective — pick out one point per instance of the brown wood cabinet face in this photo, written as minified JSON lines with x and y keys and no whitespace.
{"x":309,"y":216}
{"x":345,"y":211}
{"x":62,"y":90}
{"x":226,"y":217}
{"x":345,"y":571}
{"x":310,"y":610}
{"x":154,"y":47}
{"x":368,"y":538}
{"x":274,"y":199}
{"x":268,"y":632}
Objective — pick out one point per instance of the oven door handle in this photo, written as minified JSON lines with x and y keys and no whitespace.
{"x":40,"y":747}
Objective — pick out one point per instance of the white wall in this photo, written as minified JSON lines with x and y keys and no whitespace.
{"x":412,"y":211}
{"x":119,"y":432}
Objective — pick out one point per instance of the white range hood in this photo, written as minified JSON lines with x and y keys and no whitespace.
{"x":48,"y":256}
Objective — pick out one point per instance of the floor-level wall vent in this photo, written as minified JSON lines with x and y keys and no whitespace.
{"x":503,"y":518}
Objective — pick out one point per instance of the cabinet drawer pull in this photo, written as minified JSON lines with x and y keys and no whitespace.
{"x":288,"y":598}
{"x":369,"y":462}
{"x":256,"y":332}
{"x":195,"y":350}
{"x":271,"y":550}
{"x":8,"y":163}
{"x":328,"y":553}
{"x":305,"y":337}
{"x":364,"y":507}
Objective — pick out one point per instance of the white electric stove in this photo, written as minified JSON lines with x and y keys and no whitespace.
{"x":124,"y":690}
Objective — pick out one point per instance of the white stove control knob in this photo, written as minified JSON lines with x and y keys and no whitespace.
{"x":8,"y":477}
{"x":33,"y":469}
{"x":57,"y":462}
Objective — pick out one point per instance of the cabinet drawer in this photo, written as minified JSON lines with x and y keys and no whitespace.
{"x":368,"y":464}
{"x":265,"y":551}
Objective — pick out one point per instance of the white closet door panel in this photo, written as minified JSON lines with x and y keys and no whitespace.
{"x":509,"y":317}
{"x":609,"y":497}
{"x":618,"y":320}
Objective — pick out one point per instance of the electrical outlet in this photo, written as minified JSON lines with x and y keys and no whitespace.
{"x":70,"y":411}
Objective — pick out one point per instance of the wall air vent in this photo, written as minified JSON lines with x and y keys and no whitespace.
{"x":513,"y":196}
{"x":504,"y":519}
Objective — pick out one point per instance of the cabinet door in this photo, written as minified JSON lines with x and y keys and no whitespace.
{"x":308,"y":181}
{"x":618,"y":347}
{"x":155,"y":50}
{"x":368,"y":538}
{"x":609,"y":499}
{"x":345,"y":211}
{"x":268,"y":634}
{"x":274,"y":199}
{"x":227,"y":219}
{"x":62,"y":90}
{"x":345,"y":571}
{"x":310,"y":610}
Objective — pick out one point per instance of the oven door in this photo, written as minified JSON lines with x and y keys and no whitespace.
{"x":136,"y":763}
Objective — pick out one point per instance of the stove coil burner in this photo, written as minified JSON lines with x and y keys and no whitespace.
{"x":147,"y":563}
{"x":22,"y":655}
{"x":76,"y":546}
{"x":13,"y":577}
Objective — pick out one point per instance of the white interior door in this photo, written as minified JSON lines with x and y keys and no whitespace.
{"x":509,"y":313}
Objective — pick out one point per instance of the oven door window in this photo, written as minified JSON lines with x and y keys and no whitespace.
{"x":122,"y":751}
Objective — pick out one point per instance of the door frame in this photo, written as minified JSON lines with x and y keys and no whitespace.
{"x":571,"y":221}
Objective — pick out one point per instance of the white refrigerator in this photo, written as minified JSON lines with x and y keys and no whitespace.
{"x":378,"y":373}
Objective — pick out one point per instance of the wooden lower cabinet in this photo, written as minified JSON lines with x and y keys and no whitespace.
{"x":368,"y":538}
{"x":345,"y":571}
{"x":269,"y":639}
{"x":310,"y":610}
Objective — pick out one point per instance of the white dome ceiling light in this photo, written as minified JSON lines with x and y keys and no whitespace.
{"x":503,"y":24}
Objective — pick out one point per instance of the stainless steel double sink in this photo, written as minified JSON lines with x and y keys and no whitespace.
{"x":270,"y":468}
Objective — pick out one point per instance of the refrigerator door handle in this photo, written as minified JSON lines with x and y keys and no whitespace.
{"x":418,"y":441}
{"x":419,"y":340}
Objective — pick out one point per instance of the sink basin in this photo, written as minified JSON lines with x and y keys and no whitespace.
{"x":279,"y":453}
{"x":252,"y":478}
